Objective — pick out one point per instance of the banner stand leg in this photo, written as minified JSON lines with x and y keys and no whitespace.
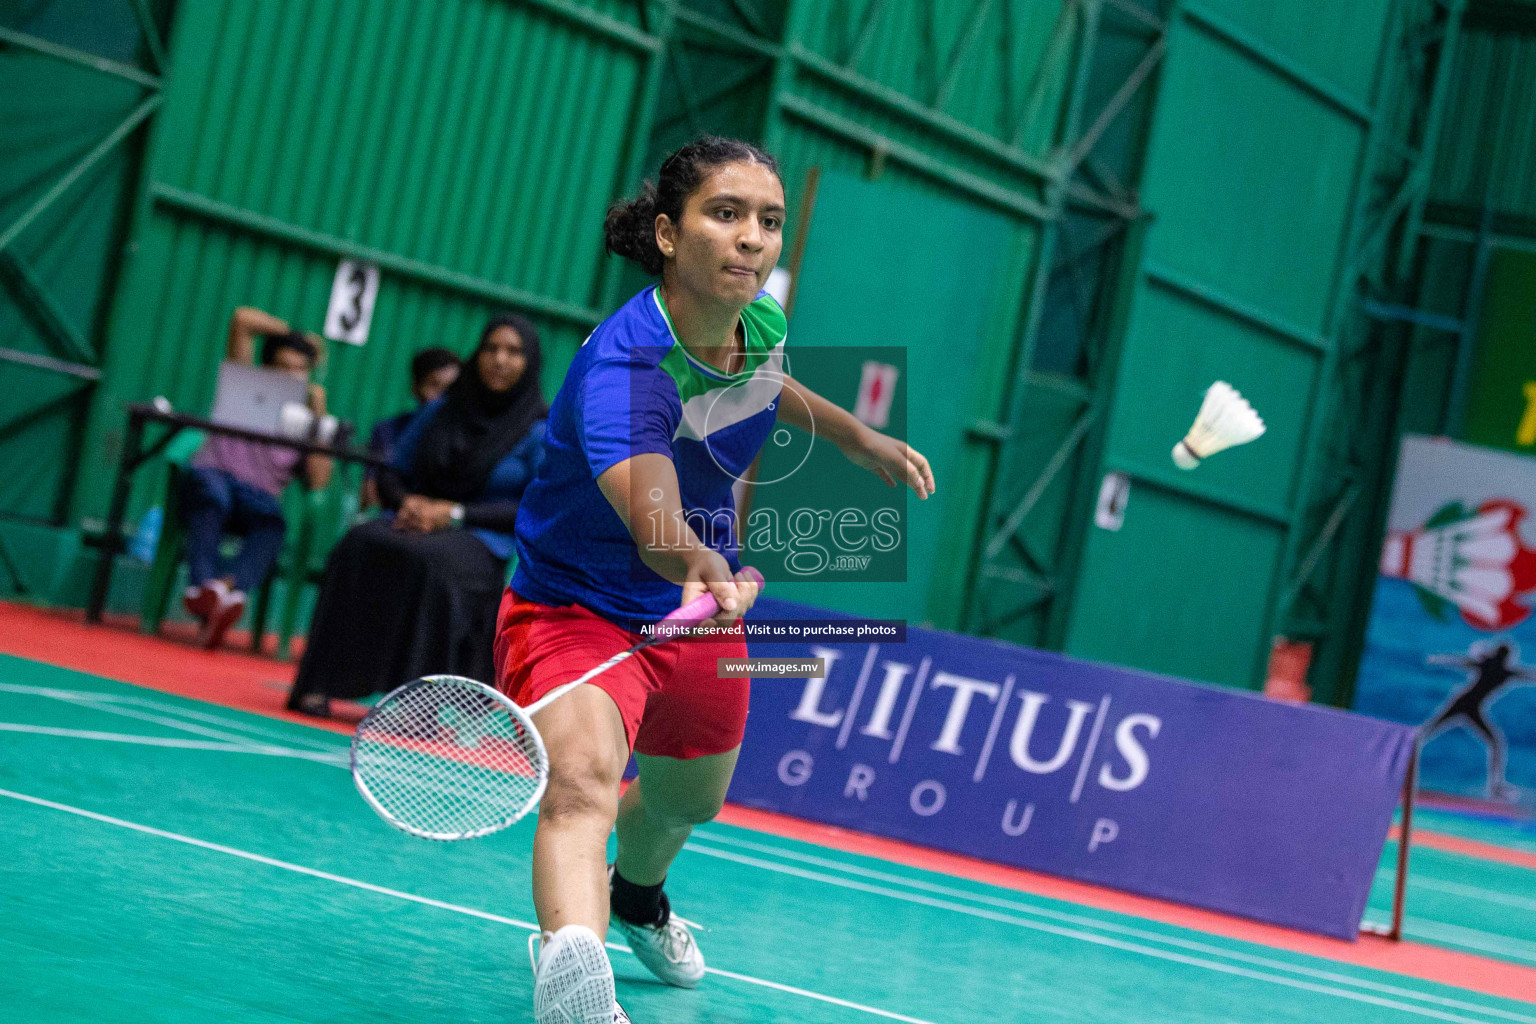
{"x":1405,"y":838}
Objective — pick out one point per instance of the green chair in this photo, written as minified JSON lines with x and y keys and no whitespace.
{"x":327,"y":515}
{"x":291,"y":565}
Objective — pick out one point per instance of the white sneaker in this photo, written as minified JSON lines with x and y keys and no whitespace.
{"x":572,"y":979}
{"x":667,"y":949}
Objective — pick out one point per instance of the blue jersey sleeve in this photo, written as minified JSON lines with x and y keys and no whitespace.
{"x":625,"y":408}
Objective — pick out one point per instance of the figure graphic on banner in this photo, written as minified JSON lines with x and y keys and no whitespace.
{"x":1489,"y":672}
{"x":1456,"y":592}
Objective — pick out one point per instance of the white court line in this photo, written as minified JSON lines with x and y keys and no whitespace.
{"x":1471,"y":892}
{"x":1104,"y":940}
{"x":1110,"y":926}
{"x":174,"y":741}
{"x":1517,"y":843}
{"x":96,"y":703}
{"x":96,"y":700}
{"x":253,"y":729}
{"x":1455,"y":934}
{"x":1441,"y":932}
{"x":1462,"y":938}
{"x":52,"y":691}
{"x":110,"y":707}
{"x":427,"y":901}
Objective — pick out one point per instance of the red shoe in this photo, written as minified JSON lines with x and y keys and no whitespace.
{"x":200,"y":602}
{"x":230,"y":606}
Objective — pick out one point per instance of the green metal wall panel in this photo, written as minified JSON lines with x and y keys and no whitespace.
{"x":928,"y":295}
{"x":978,"y":62}
{"x":1050,"y":424}
{"x":1500,"y":402}
{"x":1239,"y":283}
{"x":822,"y":106}
{"x":427,"y":141}
{"x":1176,"y":348}
{"x":1012,"y":593}
{"x":1268,"y":228}
{"x":1432,"y":354}
{"x":72,"y":79}
{"x":1333,"y":40}
{"x":1187,"y":594}
{"x":1487,"y":150}
{"x":470,"y":147}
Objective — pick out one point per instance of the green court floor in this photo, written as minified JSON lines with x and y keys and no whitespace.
{"x":1471,"y":905}
{"x":167,"y":860}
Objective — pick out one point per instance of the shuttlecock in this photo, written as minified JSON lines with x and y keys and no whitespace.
{"x":1477,"y":561}
{"x":1225,"y":419}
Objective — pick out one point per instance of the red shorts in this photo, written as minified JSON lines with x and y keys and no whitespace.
{"x":670,"y":696}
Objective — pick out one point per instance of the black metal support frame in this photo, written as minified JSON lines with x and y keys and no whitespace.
{"x":1394,"y":928}
{"x":134,"y":455}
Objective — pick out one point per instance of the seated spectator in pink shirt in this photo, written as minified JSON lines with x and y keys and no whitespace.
{"x":234,"y":485}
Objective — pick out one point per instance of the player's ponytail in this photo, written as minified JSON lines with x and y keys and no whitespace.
{"x":630,"y":230}
{"x":630,"y":227}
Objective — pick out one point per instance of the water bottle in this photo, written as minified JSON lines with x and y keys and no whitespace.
{"x":147,"y":537}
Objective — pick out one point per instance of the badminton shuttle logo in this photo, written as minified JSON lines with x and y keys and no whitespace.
{"x":1475,"y":560}
{"x":1224,"y":421}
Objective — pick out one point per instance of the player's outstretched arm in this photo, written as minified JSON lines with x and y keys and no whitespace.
{"x":892,"y":460}
{"x":645,"y":493}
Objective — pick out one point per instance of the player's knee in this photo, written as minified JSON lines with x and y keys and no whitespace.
{"x":577,"y":802}
{"x":582,"y":784}
{"x":702,"y":814}
{"x":698,"y":809}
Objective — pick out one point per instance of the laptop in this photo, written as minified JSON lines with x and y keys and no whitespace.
{"x":252,"y":397}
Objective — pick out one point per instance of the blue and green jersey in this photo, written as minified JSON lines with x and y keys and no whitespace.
{"x":634,"y":389}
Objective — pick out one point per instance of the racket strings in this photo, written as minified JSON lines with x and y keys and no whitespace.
{"x":443,"y":758}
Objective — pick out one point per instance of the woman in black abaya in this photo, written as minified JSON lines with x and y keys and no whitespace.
{"x":415,"y":592}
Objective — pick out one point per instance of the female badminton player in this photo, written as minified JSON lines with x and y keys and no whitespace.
{"x":665,"y":405}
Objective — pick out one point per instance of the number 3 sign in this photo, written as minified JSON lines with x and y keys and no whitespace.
{"x":352,"y":293}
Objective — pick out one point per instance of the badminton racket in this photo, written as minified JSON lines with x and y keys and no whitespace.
{"x":445,"y":757}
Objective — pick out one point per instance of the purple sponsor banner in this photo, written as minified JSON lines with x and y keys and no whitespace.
{"x":1206,"y":796}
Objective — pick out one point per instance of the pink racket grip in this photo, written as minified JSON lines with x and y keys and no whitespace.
{"x":704,"y":606}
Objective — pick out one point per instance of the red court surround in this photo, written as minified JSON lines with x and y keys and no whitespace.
{"x":241,"y":680}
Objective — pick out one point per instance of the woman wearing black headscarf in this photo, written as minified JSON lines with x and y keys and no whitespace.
{"x":415,"y":592}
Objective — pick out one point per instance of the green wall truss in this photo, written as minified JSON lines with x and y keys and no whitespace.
{"x":77,"y":99}
{"x":914,"y":92}
{"x":1423,"y":323}
{"x":1331,"y":557}
{"x":1060,"y":374}
{"x":1304,"y":547}
{"x":469,"y":147}
{"x":417,"y":151}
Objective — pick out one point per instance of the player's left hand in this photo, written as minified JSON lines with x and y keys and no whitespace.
{"x":710,"y":572}
{"x":893,"y":461}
